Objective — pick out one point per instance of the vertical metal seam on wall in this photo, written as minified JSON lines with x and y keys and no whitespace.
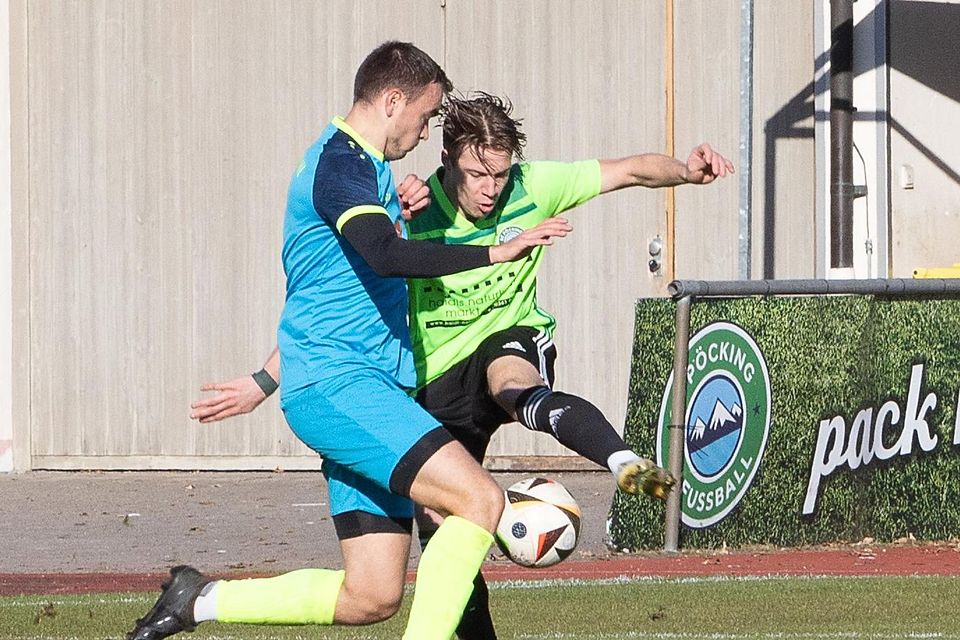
{"x":887,"y":145}
{"x":745,"y":235}
{"x":443,"y":34}
{"x":24,"y":443}
{"x":671,"y":201}
{"x":27,"y":220}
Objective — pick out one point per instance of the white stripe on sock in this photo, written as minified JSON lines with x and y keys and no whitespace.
{"x":532,"y":405}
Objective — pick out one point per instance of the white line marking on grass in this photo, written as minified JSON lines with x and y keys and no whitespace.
{"x":620,"y":580}
{"x":839,"y":635}
{"x":262,"y":630}
{"x":38,"y":601}
{"x":41,"y":637}
{"x":206,"y":637}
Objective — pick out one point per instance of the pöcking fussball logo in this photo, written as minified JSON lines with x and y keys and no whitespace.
{"x":727,"y":422}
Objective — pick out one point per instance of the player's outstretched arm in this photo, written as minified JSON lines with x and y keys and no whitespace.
{"x":374,"y":237}
{"x":240,"y":395}
{"x":656,"y":170}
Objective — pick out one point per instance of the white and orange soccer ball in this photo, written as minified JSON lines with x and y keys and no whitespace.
{"x":540,"y":525}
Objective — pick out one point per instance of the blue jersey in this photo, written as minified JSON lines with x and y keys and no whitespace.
{"x":339,"y":316}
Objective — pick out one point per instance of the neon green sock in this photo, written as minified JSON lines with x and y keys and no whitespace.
{"x":445,"y":578}
{"x":305,"y":596}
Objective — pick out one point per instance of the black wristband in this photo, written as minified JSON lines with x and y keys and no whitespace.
{"x":265,"y":381}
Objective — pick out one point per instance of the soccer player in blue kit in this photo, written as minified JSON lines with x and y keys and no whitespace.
{"x":346,"y":366}
{"x":483,"y":344}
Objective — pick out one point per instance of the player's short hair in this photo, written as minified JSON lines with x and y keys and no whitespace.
{"x":481,"y":121}
{"x":401,"y":65}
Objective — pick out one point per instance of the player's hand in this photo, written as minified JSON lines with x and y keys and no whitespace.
{"x":234,"y":397}
{"x":706,"y":165}
{"x":521,"y":246}
{"x":414,"y":196}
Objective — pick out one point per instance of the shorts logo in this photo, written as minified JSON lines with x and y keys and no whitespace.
{"x":508,"y":234}
{"x":515,"y":346}
{"x":727,"y":422}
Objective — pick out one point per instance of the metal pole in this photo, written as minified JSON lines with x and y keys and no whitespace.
{"x":841,"y":134}
{"x":897,"y":287}
{"x":745,"y":235}
{"x":678,"y":411}
{"x":670,"y":261}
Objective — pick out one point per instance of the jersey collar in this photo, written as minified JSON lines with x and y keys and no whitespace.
{"x":341,"y":124}
{"x":440,"y":196}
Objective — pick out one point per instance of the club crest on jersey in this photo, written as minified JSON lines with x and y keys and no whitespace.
{"x":726,"y":425}
{"x":508,"y":234}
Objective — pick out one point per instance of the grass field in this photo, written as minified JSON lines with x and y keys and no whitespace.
{"x":687,"y":609}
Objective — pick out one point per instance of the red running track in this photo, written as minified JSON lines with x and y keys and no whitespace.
{"x":933,"y":560}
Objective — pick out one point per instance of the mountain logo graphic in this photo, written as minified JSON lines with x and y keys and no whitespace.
{"x":727,"y":422}
{"x":715,"y":425}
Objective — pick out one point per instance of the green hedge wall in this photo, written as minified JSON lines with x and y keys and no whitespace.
{"x":826,"y":356}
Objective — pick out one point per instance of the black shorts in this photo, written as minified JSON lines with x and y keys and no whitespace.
{"x":460,"y":398}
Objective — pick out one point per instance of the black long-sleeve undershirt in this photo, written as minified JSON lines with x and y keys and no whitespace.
{"x":375,"y":239}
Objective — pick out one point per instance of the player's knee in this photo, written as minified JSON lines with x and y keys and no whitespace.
{"x":373,"y":613}
{"x":480,"y":502}
{"x":376,"y":606}
{"x":384,"y":607}
{"x":487,"y":505}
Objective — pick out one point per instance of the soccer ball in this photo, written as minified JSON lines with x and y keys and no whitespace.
{"x":540,"y":524}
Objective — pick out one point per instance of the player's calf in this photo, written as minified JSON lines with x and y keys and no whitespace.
{"x":580,"y":426}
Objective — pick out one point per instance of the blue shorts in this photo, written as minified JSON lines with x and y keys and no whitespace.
{"x":373,"y":438}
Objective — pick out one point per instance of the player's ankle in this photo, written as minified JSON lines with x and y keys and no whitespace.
{"x":619,"y":458}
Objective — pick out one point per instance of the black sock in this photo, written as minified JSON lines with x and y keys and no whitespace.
{"x":574,"y":422}
{"x":476,"y":623}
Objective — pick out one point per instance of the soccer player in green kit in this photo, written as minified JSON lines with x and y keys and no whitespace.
{"x":483,"y":347}
{"x":348,"y":369}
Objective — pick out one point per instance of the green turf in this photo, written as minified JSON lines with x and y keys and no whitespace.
{"x":685,"y":609}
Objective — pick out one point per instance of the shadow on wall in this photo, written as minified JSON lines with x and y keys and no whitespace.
{"x":921,"y":44}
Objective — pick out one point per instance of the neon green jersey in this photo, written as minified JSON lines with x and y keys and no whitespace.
{"x":450,"y":316}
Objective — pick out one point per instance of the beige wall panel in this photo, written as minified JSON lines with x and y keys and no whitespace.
{"x":9,"y":108}
{"x":55,"y":290}
{"x":19,"y":238}
{"x":587,"y":80}
{"x":162,"y":136}
{"x":924,"y":136}
{"x":707,"y":103}
{"x":784,"y":177}
{"x":707,"y":82}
